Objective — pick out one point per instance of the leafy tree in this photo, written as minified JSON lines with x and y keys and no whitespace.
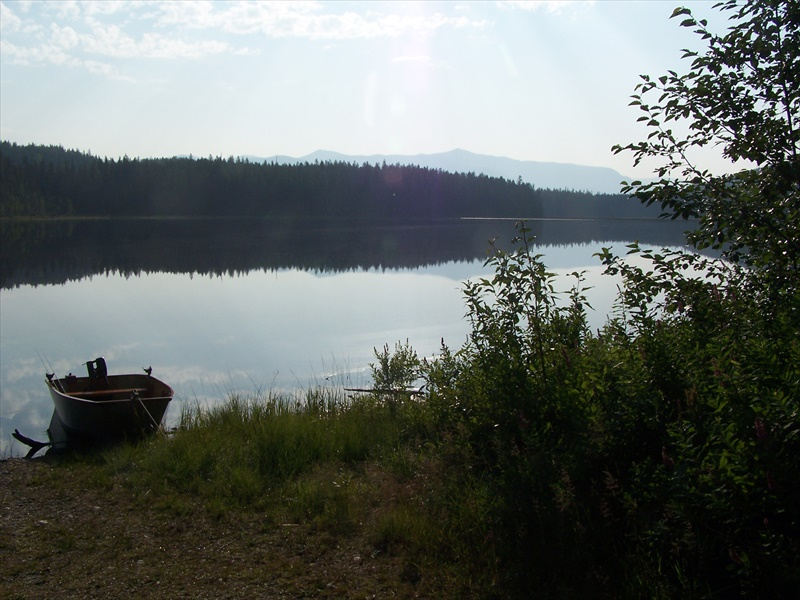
{"x":743,"y":96}
{"x":659,"y":457}
{"x":395,"y":370}
{"x":721,"y":338}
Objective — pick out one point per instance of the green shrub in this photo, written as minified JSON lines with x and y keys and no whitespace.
{"x":655,"y":457}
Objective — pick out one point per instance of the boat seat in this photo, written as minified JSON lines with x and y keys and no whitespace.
{"x":104,"y":392}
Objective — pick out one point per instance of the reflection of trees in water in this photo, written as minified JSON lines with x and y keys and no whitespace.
{"x":58,"y":251}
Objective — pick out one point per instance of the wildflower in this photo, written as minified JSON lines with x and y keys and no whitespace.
{"x":717,"y":372}
{"x":771,"y":484}
{"x":566,"y":357}
{"x":719,"y":375}
{"x":524,"y":422}
{"x":761,"y":431}
{"x":666,"y":458}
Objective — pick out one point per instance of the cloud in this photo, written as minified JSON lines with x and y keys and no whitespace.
{"x":94,"y":35}
{"x":422,"y":60}
{"x":191,"y":14}
{"x":551,"y":6}
{"x":9,"y":22}
{"x":112,"y":41}
{"x":90,"y":34}
{"x":311,"y":20}
{"x":64,"y":37}
{"x":54,"y":55}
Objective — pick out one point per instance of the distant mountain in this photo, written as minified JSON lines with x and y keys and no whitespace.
{"x":556,"y":176}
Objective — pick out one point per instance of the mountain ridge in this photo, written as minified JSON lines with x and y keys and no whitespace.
{"x":545,"y":175}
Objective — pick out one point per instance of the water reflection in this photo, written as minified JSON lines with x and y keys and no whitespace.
{"x":59,"y":251}
{"x":246,"y":306}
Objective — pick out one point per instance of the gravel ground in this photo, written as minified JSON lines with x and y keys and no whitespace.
{"x":60,"y":539}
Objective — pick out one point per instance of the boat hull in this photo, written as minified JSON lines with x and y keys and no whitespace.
{"x":114,"y":407}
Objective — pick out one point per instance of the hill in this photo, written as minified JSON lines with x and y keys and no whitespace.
{"x":548,"y":175}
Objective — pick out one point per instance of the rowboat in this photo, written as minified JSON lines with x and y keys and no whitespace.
{"x":109,"y":407}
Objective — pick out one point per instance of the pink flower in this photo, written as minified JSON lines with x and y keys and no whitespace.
{"x":761,"y":431}
{"x":666,"y":458}
{"x":771,"y":484}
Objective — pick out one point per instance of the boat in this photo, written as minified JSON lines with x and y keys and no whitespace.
{"x":103,"y":407}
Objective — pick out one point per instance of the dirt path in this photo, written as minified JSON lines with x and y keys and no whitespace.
{"x":59,"y":539}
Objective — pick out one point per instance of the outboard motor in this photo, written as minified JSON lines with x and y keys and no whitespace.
{"x":97,"y":368}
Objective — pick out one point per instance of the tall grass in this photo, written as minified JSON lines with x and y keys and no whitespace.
{"x":245,"y":450}
{"x":367,"y":463}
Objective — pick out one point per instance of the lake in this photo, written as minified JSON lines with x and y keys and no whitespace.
{"x":217,"y":306}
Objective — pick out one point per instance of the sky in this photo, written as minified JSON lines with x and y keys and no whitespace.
{"x":541,"y":81}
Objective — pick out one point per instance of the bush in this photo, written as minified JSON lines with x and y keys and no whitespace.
{"x":655,"y":457}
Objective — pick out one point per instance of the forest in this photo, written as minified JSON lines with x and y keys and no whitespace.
{"x":50,"y":181}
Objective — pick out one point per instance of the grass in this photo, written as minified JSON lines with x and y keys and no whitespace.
{"x":348,"y":467}
{"x":292,"y":459}
{"x":247,"y":450}
{"x":365,"y":479}
{"x":332,"y":474}
{"x":353,"y":470}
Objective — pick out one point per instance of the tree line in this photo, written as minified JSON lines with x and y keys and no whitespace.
{"x":48,"y":181}
{"x":51,"y":181}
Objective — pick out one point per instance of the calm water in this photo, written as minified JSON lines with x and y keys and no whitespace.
{"x":218,"y":309}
